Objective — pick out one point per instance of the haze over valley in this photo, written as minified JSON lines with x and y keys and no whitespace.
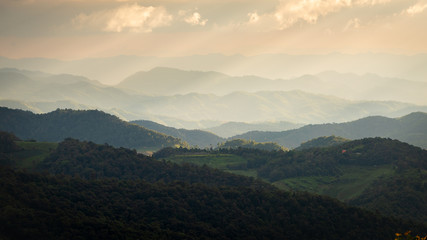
{"x":275,"y":119}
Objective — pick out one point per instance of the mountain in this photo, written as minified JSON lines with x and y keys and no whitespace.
{"x":43,"y":107}
{"x":193,"y":137}
{"x":293,"y":106}
{"x":168,"y":81}
{"x":410,"y":128}
{"x":230,"y":129}
{"x":322,"y":142}
{"x":111,"y":70}
{"x":33,"y":88}
{"x":360,"y":87}
{"x":118,"y":193}
{"x":89,"y":125}
{"x":29,"y":86}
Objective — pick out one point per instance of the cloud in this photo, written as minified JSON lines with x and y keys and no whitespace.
{"x":416,"y":9}
{"x":192,"y":17}
{"x":195,"y":19}
{"x":253,"y":17}
{"x":129,"y":17}
{"x":290,"y":12}
{"x":352,"y":24}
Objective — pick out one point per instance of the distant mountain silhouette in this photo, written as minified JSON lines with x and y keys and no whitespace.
{"x":168,"y":81}
{"x":42,"y":91}
{"x":273,"y":66}
{"x":91,"y":125}
{"x":230,"y":129}
{"x":193,"y":137}
{"x":410,"y":128}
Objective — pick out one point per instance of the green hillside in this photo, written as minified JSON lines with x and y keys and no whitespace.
{"x":242,"y":143}
{"x":91,"y":125}
{"x":51,"y":207}
{"x":101,"y":192}
{"x":345,"y":172}
{"x":322,"y":142}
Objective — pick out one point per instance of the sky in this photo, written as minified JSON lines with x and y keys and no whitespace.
{"x":76,"y":29}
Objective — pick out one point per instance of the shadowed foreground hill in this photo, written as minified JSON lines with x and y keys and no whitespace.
{"x":379,"y":174}
{"x":89,"y":125}
{"x":48,"y":207}
{"x":410,"y":128}
{"x":116,"y":207}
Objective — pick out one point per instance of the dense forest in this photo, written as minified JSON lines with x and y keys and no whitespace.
{"x":242,"y":143}
{"x":322,"y":142}
{"x":402,"y":195}
{"x":92,"y":161}
{"x":36,"y":206}
{"x":90,"y":125}
{"x":84,"y":190}
{"x":354,"y":171}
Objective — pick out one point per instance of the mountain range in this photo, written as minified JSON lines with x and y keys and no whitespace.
{"x":40,"y":91}
{"x":89,"y":125}
{"x":168,"y":81}
{"x":112,"y":70}
{"x":230,"y":129}
{"x":410,"y":128}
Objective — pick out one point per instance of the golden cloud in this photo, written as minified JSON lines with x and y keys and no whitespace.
{"x":129,"y":17}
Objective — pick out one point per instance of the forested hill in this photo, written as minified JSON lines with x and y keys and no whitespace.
{"x":47,"y":207}
{"x":410,"y":128}
{"x":89,"y":160}
{"x":91,"y":125}
{"x":242,"y":143}
{"x":101,"y":192}
{"x":322,"y":142}
{"x":376,"y":173}
{"x":193,"y":137}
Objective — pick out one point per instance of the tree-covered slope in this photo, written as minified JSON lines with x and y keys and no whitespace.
{"x":322,"y":142}
{"x":34,"y":206}
{"x":92,"y":161}
{"x":242,"y":143}
{"x":101,"y":192}
{"x":193,"y":137}
{"x":410,"y":128}
{"x":352,"y":171}
{"x":401,"y":195}
{"x":91,"y":125}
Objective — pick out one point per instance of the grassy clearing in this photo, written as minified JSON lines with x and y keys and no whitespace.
{"x":352,"y":183}
{"x":32,"y":153}
{"x":219,"y":161}
{"x":356,"y":179}
{"x":309,"y":184}
{"x":247,"y":173}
